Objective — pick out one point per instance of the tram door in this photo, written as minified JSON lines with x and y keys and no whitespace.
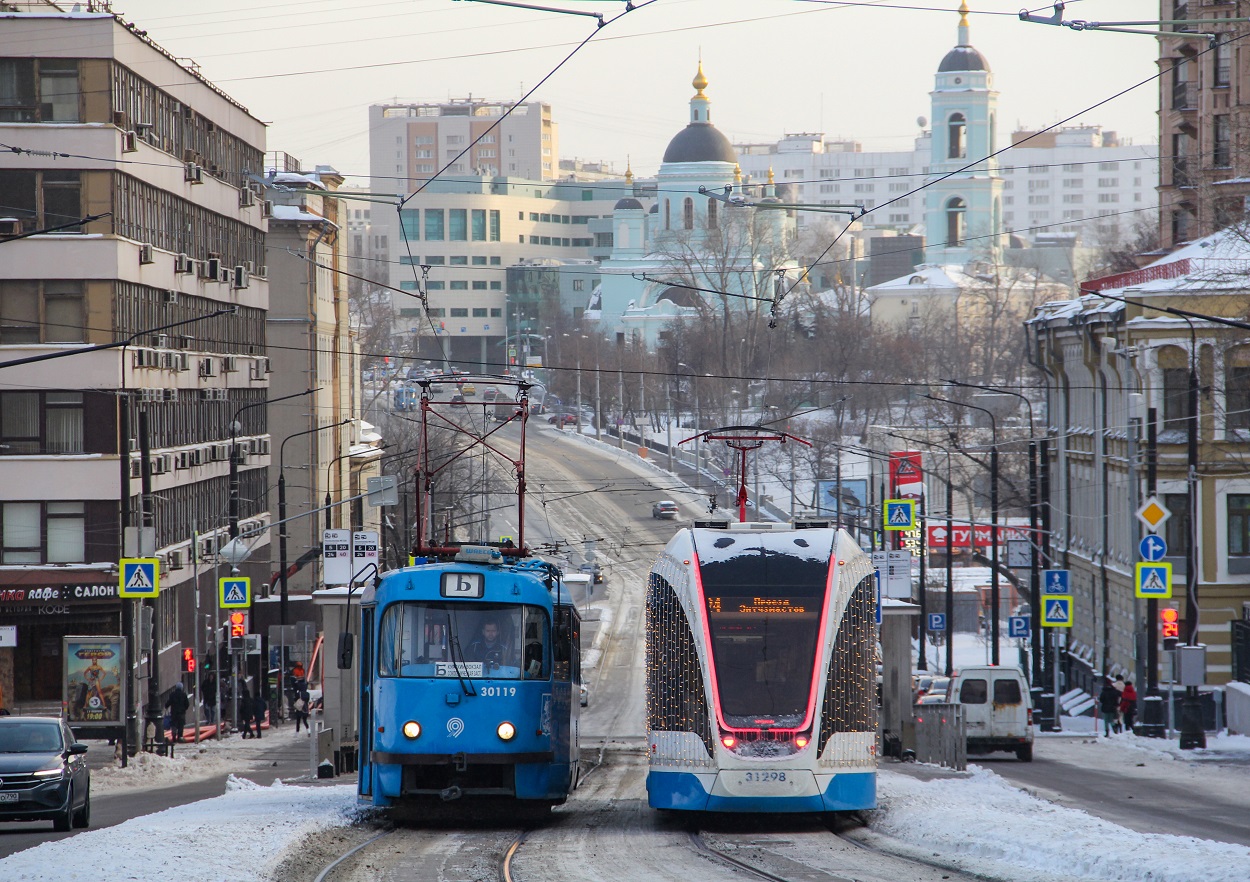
{"x":366,"y":701}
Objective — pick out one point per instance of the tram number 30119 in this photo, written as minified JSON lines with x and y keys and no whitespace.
{"x":497,"y":691}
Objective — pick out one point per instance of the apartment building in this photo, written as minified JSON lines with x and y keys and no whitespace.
{"x":1204,"y":119}
{"x":322,"y":449}
{"x":130,"y":215}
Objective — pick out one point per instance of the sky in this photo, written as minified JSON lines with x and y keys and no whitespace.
{"x":852,"y":71}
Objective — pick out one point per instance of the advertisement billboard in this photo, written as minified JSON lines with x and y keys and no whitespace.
{"x":854,"y":497}
{"x":906,"y":476}
{"x":95,"y":691}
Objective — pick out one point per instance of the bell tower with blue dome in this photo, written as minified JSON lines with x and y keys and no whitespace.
{"x":963,"y":213}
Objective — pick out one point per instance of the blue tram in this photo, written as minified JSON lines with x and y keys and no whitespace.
{"x":761,"y":687}
{"x":469,"y":673}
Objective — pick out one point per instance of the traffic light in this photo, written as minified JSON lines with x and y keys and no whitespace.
{"x":237,"y":624}
{"x":188,"y":660}
{"x":1169,"y":627}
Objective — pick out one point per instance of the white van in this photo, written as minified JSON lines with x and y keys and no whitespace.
{"x":998,"y":710}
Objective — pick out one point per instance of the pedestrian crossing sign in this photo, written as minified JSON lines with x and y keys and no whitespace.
{"x":139,"y":577}
{"x":1057,"y":611}
{"x":900,"y":514}
{"x":1154,"y":580}
{"x":234,"y":592}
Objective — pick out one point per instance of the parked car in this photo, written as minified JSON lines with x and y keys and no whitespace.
{"x":489,"y":393}
{"x":997,"y":709}
{"x":457,"y":400}
{"x":583,"y":694}
{"x":43,"y":773}
{"x":562,"y":419}
{"x":666,"y":509}
{"x":932,"y":698}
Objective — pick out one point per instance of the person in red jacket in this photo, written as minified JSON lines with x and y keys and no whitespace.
{"x":1128,"y":705}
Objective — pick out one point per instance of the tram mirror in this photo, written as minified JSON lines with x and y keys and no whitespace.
{"x":347,"y":648}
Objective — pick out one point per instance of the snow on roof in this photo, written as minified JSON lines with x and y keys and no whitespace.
{"x":295,"y":213}
{"x":310,"y":180}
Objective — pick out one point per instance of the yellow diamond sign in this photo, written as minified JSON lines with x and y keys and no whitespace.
{"x":1153,"y":514}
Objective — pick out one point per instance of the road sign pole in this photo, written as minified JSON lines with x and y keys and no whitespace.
{"x":1152,"y":711}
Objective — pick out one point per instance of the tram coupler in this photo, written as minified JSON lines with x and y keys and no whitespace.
{"x":448,"y":794}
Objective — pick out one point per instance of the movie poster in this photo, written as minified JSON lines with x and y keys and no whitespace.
{"x":94,"y":686}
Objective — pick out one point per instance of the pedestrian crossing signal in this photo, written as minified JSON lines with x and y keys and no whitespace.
{"x":1169,"y":627}
{"x":188,"y":660}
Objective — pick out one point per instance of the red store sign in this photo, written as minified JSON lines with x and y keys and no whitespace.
{"x":963,"y":535}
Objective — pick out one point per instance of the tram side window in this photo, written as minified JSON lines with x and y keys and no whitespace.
{"x":534,"y":661}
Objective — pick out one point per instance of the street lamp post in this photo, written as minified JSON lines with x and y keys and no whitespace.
{"x":1035,"y":591}
{"x":282,"y":528}
{"x":235,"y":428}
{"x":994,"y":592}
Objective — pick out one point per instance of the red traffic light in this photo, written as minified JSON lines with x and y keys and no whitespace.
{"x":188,"y":660}
{"x":238,"y":624}
{"x":1169,"y":622}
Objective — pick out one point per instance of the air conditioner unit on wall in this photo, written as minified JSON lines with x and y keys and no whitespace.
{"x":169,"y":296}
{"x":177,"y":559}
{"x":240,"y":279}
{"x":208,"y":368}
{"x":193,"y":174}
{"x":184,"y":264}
{"x":266,"y":208}
{"x":229,"y":364}
{"x":145,"y":254}
{"x":247,"y":197}
{"x":212,"y":268}
{"x":130,"y":142}
{"x":208,"y":545}
{"x":136,"y":468}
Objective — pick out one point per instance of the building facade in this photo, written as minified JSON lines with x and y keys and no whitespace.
{"x":1204,"y":119}
{"x":1109,"y":367}
{"x":153,"y":236}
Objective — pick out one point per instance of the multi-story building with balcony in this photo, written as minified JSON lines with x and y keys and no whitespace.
{"x":132,"y":331}
{"x":1204,"y":119}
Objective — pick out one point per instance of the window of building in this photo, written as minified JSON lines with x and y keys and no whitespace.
{"x":39,"y":90}
{"x":459,"y":312}
{"x":544,"y":218}
{"x":494,"y":225}
{"x":26,"y":524}
{"x":435,"y":259}
{"x":458,"y":224}
{"x":479,"y":286}
{"x":1238,"y":524}
{"x":496,"y":286}
{"x":459,"y":260}
{"x":712,"y":220}
{"x":479,"y":260}
{"x":42,"y":199}
{"x":1176,"y":528}
{"x":459,"y":285}
{"x":438,"y":312}
{"x":410,"y":223}
{"x":956,"y":209}
{"x":435,"y":286}
{"x":579,"y":284}
{"x":435,"y":224}
{"x":1222,"y":153}
{"x":957,"y":134}
{"x":479,"y":312}
{"x":41,"y":312}
{"x":478,"y":229}
{"x":21,"y":532}
{"x":1237,"y":397}
{"x":1222,"y":62}
{"x":495,"y":260}
{"x":495,"y":311}
{"x":667,"y":218}
{"x":1175,"y":398}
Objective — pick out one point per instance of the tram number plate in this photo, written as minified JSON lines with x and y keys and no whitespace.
{"x":10,"y":797}
{"x":763,"y":777}
{"x":462,"y":584}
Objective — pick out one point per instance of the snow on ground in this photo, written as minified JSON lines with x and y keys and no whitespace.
{"x":190,"y":762}
{"x":240,"y":836}
{"x":982,"y":817}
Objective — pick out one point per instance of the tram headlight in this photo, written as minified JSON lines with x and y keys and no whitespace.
{"x":412,"y":729}
{"x":801,"y":741}
{"x":729,"y":741}
{"x":506,"y":731}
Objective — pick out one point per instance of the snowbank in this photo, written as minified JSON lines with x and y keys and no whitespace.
{"x":238,"y":837}
{"x":982,"y":817}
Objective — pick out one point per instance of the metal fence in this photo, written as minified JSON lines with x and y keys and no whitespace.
{"x":941,"y":738}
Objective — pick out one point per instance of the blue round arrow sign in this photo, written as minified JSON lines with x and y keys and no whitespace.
{"x":1152,"y":548}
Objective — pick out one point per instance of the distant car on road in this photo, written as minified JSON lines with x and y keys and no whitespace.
{"x":489,"y":393}
{"x":562,"y":419}
{"x":594,"y":570}
{"x":457,"y":400}
{"x":583,"y":694}
{"x":43,"y":773}
{"x":468,"y":389}
{"x":665,"y":509}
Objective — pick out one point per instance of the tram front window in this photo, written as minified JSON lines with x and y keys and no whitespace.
{"x":764,"y":613}
{"x":457,"y":640}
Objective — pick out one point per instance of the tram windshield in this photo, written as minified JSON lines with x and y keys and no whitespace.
{"x":764,"y":608}
{"x":456,"y":640}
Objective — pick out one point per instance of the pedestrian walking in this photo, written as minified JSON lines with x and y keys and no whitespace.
{"x":259,"y":707}
{"x":208,"y":690}
{"x":300,"y":710}
{"x":246,"y":710}
{"x":1119,"y":687}
{"x":1128,"y":705}
{"x":177,"y":704}
{"x":1108,"y":705}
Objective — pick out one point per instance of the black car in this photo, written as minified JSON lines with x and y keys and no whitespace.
{"x":43,"y":773}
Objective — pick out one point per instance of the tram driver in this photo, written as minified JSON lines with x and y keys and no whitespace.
{"x":490,"y":646}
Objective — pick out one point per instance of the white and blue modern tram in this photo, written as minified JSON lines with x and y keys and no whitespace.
{"x":761,"y":693}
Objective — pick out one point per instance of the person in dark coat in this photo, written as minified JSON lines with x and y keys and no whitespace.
{"x":300,"y":710}
{"x":246,"y":709}
{"x":208,"y":690}
{"x":1109,"y":705}
{"x":177,"y":704}
{"x":259,"y":707}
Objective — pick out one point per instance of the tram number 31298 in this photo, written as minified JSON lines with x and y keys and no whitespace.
{"x":763,"y":777}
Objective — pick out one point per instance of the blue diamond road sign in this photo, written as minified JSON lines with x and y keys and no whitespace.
{"x":937,"y":621}
{"x":1018,"y":626}
{"x":1153,"y":548}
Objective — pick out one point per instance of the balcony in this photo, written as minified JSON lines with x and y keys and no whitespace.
{"x":1185,"y":95}
{"x":1181,"y":173}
